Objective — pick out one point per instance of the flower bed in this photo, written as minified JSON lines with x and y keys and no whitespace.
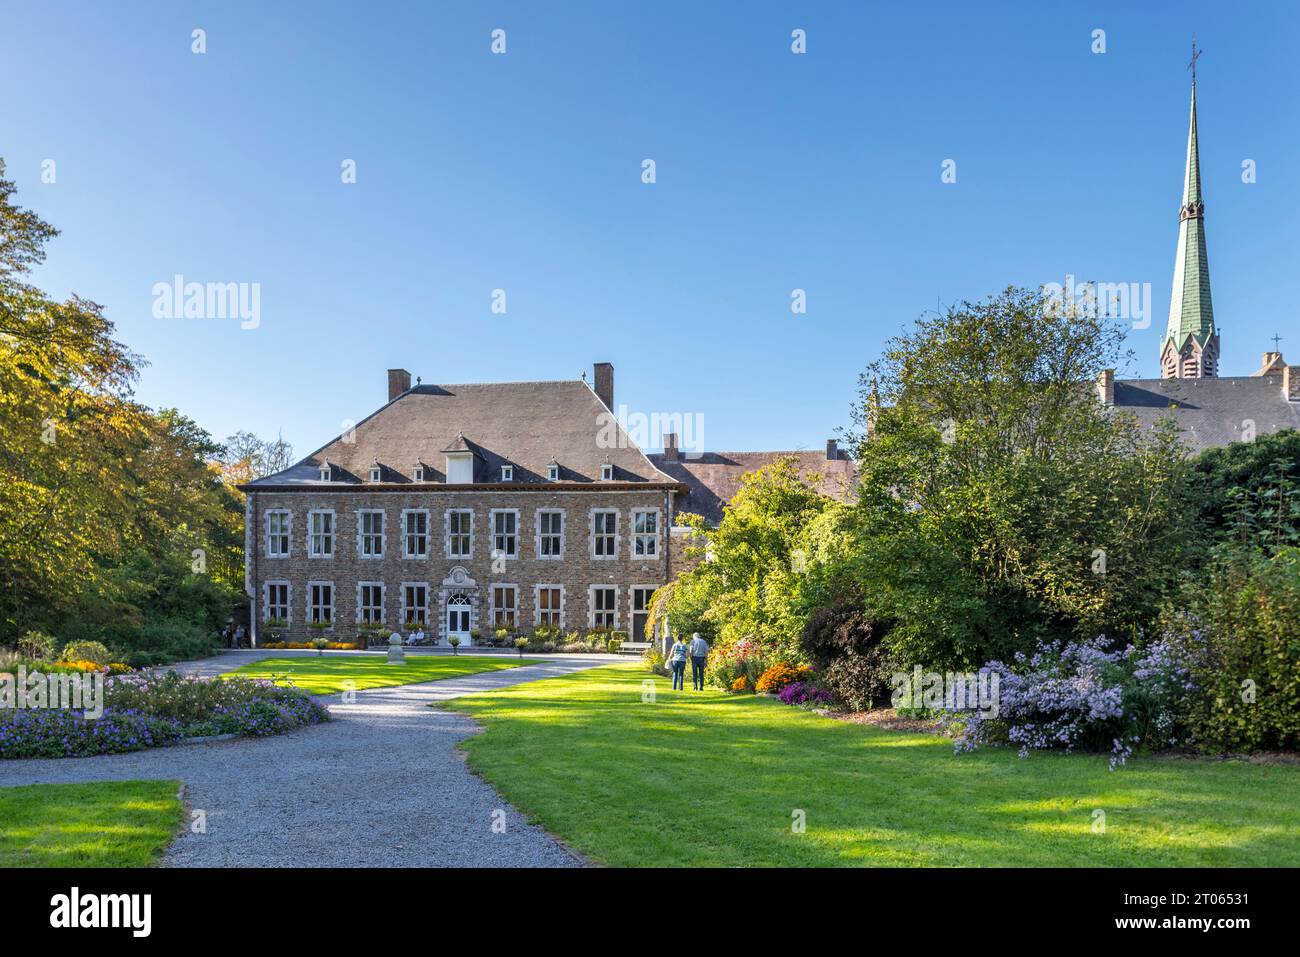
{"x":146,"y":711}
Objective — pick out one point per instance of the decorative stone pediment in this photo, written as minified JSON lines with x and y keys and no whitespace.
{"x":459,"y":578}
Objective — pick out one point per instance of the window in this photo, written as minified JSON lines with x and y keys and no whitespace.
{"x":370,"y":533}
{"x":550,"y":605}
{"x":320,"y":537}
{"x":326,"y":472}
{"x":604,"y":533}
{"x":504,"y":606}
{"x":505,"y":533}
{"x":376,"y":473}
{"x":507,"y":473}
{"x":415,"y":538}
{"x":604,"y":606}
{"x":415,"y":607}
{"x":645,"y":533}
{"x":550,"y":534}
{"x":417,"y":473}
{"x":370,"y":601}
{"x":320,"y":602}
{"x":606,"y":472}
{"x":460,"y":533}
{"x":278,"y":523}
{"x":276,"y":606}
{"x":552,"y":473}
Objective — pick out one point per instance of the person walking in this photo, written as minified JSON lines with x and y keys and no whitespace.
{"x":699,"y":649}
{"x":677,"y":662}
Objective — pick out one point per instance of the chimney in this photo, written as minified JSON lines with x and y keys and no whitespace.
{"x":1291,"y":383}
{"x":832,"y":450}
{"x":1106,"y":387}
{"x":605,"y":384}
{"x":1272,"y":362}
{"x":399,"y":381}
{"x":670,"y":447}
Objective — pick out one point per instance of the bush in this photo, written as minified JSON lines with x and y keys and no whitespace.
{"x":655,"y":661}
{"x":1240,"y":632}
{"x":836,"y":631}
{"x":774,"y":679}
{"x":805,"y":693}
{"x":86,"y":651}
{"x":859,"y":681}
{"x":148,"y":710}
{"x":38,"y":645}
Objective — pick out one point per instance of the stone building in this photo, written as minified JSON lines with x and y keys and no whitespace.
{"x":464,"y":507}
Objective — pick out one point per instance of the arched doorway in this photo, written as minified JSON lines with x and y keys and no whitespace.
{"x":458,"y":616}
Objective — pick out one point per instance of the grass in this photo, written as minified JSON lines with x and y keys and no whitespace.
{"x":105,"y":824}
{"x":709,"y":779}
{"x":328,"y":674}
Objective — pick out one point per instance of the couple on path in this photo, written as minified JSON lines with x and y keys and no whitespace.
{"x":698,"y":652}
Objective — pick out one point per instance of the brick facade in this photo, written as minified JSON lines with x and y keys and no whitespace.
{"x":576,"y":571}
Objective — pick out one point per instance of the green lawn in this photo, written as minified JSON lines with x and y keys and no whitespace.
{"x":713,"y":779}
{"x":106,"y":824}
{"x":327,"y":674}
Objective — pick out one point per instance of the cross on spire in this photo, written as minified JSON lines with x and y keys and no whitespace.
{"x":1276,"y":340}
{"x":1196,"y":55}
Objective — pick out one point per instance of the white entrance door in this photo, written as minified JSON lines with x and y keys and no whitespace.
{"x":458,"y":618}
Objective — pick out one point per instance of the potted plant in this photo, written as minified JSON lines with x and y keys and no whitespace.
{"x":319,"y":644}
{"x":475,"y":634}
{"x":520,"y":644}
{"x":454,"y":641}
{"x":502,"y":636}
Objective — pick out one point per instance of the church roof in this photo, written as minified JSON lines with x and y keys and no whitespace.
{"x":1191,"y":311}
{"x":1211,"y":412}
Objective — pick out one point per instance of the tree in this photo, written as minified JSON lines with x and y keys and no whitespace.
{"x":1002,"y":503}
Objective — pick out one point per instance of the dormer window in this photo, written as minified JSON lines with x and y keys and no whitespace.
{"x":606,"y":472}
{"x":417,"y":473}
{"x":376,"y":472}
{"x":507,"y":473}
{"x":460,"y":462}
{"x":553,"y":471}
{"x":326,"y":472}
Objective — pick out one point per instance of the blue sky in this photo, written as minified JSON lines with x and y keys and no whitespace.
{"x":522,"y":172}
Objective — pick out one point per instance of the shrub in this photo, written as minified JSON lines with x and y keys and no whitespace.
{"x":805,"y":693}
{"x":147,"y":710}
{"x":859,"y":681}
{"x":744,"y":659}
{"x":778,"y":676}
{"x":38,"y":645}
{"x":740,"y":684}
{"x":836,"y":631}
{"x":86,"y":651}
{"x":1240,"y":632}
{"x":655,"y":661}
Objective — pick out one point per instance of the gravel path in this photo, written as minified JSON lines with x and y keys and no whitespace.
{"x":379,"y":786}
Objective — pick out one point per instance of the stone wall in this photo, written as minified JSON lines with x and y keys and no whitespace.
{"x":575,"y":572}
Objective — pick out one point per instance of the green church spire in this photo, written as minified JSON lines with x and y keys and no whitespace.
{"x":1191,"y":311}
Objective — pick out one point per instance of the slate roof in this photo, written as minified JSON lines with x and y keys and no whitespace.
{"x":713,"y":478}
{"x":1210,"y":412}
{"x":524,"y":424}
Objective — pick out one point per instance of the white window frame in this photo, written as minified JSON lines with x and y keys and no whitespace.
{"x":407,"y":607}
{"x":538,"y":534}
{"x":591,"y":606}
{"x":327,"y":473}
{"x":507,"y":473}
{"x":311,"y":606}
{"x":408,"y":535}
{"x":637,"y":539}
{"x":371,"y":605}
{"x":607,"y":473}
{"x":592,"y":536}
{"x":492,"y":530}
{"x":286,"y":534}
{"x":267,"y":604}
{"x":446,"y":541}
{"x":362,"y":534}
{"x":312,"y":534}
{"x":537,"y":605}
{"x":552,"y":473}
{"x":376,"y":473}
{"x":417,"y":473}
{"x":493,"y":607}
